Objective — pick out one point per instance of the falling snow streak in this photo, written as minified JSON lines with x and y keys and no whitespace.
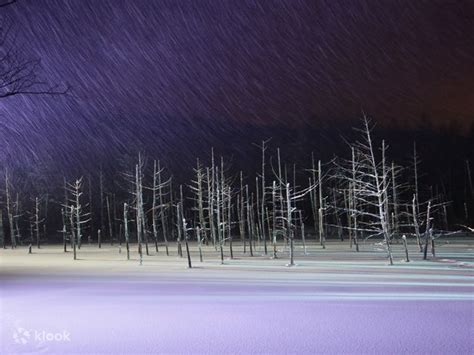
{"x":146,"y":73}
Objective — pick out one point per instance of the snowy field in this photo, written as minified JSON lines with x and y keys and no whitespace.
{"x":333,"y":301}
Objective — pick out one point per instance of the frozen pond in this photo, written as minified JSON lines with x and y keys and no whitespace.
{"x":247,"y":306}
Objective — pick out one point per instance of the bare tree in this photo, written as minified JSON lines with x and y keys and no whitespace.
{"x":125,"y":226}
{"x":139,"y":212}
{"x":416,"y":224}
{"x":404,"y":238}
{"x":262,"y":198}
{"x":353,"y":205}
{"x":368,"y":178}
{"x":20,"y":74}
{"x":163,"y":207}
{"x":109,"y":219}
{"x":199,"y":240}
{"x":101,"y":207}
{"x":186,"y":237}
{"x":416,"y":163}
{"x":428,"y":232}
{"x":37,"y":221}
{"x":2,"y":230}
{"x":135,"y":181}
{"x":77,"y":216}
{"x":249,"y":217}
{"x":322,"y":235}
{"x":197,"y":187}
{"x":287,"y":211}
{"x":64,"y":228}
{"x":241,"y":212}
{"x":16,"y":219}
{"x":72,"y":212}
{"x":9,"y":207}
{"x":179,"y":221}
{"x":158,"y":208}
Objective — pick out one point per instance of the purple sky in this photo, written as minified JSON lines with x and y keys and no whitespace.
{"x":136,"y":67}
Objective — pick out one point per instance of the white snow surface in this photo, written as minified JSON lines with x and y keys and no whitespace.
{"x":335,"y":301}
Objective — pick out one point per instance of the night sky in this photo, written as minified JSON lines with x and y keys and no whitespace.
{"x":174,"y":75}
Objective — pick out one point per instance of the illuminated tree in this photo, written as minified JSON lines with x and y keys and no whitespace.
{"x":159,"y":208}
{"x":368,"y":179}
{"x":77,"y":215}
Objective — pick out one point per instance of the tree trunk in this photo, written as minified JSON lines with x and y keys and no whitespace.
{"x":415,"y":224}
{"x":64,"y":231}
{"x":179,"y":223}
{"x":322,"y":236}
{"x":37,"y":227}
{"x":404,"y":238}
{"x":2,"y":231}
{"x":9,"y":211}
{"x":73,"y":233}
{"x":125,"y":229}
{"x":162,"y":210}
{"x":433,"y":252}
{"x":249,"y":220}
{"x":303,"y":238}
{"x":289,"y":226}
{"x":427,"y":231}
{"x":198,"y":235}
{"x":185,"y":231}
{"x":109,"y":216}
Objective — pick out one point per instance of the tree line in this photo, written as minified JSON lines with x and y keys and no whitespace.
{"x":356,"y":198}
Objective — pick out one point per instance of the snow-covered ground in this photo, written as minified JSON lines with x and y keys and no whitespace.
{"x":333,"y":301}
